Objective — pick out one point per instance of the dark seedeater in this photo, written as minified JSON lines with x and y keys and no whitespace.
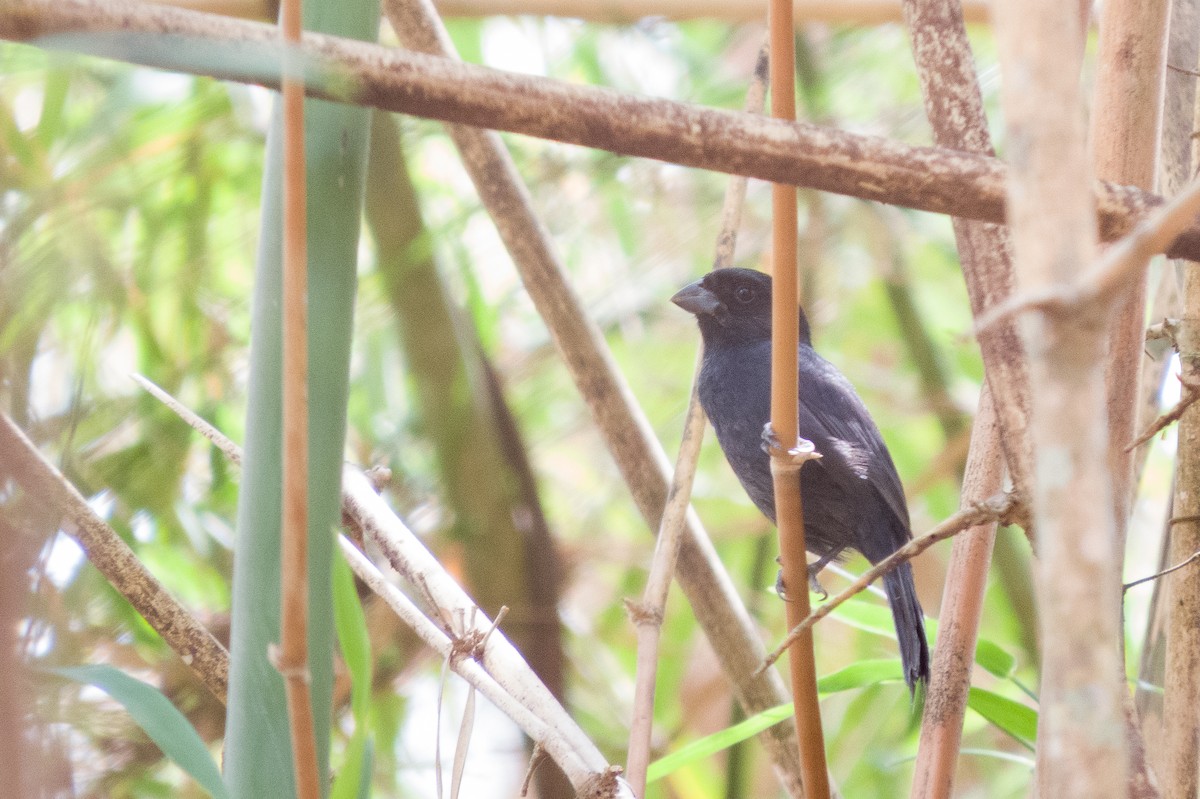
{"x":852,"y":495}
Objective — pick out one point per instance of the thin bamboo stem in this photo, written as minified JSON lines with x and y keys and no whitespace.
{"x":785,"y":333}
{"x":1126,"y":123}
{"x":649,"y":614}
{"x":954,"y":105}
{"x":292,"y":660}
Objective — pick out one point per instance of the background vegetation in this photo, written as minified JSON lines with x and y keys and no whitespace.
{"x":128,"y":226}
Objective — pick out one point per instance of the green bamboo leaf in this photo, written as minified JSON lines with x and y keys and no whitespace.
{"x":862,"y":674}
{"x":351,"y":625}
{"x":994,"y":659}
{"x":1018,"y":720}
{"x":167,"y":727}
{"x":711,"y":744}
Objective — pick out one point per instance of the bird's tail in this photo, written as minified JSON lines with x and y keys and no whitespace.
{"x":910,"y":624}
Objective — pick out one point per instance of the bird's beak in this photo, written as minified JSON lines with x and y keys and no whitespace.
{"x":695,"y":298}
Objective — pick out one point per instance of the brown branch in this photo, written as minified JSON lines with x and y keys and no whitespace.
{"x":627,"y":12}
{"x":954,"y":105}
{"x":1125,"y":127}
{"x":999,"y":508}
{"x":868,"y":167}
{"x":1082,"y":747}
{"x":194,"y":644}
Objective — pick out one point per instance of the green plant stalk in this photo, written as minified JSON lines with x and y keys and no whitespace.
{"x":257,"y":746}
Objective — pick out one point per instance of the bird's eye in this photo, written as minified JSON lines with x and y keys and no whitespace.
{"x":744,"y":294}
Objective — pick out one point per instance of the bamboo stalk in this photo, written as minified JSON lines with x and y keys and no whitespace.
{"x":292,"y":659}
{"x":842,"y":12}
{"x":648,"y":615}
{"x":1082,"y":746}
{"x":1170,"y":725}
{"x":785,"y":469}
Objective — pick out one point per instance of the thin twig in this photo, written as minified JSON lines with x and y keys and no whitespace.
{"x":998,"y":508}
{"x":1193,"y":73}
{"x":648,"y":614}
{"x":1191,"y":393}
{"x":1191,"y":559}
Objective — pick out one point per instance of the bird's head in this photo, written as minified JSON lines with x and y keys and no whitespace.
{"x":733,"y":306}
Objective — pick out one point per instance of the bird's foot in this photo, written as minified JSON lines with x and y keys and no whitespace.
{"x":784,"y":458}
{"x":814,"y":585}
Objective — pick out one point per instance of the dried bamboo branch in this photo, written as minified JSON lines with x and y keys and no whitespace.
{"x":842,"y":12}
{"x":531,"y":704}
{"x":786,"y":461}
{"x":624,"y":12}
{"x":962,"y":609}
{"x":868,"y":167}
{"x":1180,"y":758}
{"x":648,"y":614}
{"x":1099,"y":285}
{"x":194,"y":644}
{"x":291,"y":659}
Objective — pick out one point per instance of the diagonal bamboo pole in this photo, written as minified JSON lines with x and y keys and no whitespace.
{"x":637,"y":453}
{"x":954,"y":105}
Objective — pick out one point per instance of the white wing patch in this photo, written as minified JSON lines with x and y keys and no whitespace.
{"x":857,"y":458}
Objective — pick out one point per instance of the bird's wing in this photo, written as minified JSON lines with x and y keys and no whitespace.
{"x":832,"y":414}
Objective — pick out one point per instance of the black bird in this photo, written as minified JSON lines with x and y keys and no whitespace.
{"x":852,"y":495}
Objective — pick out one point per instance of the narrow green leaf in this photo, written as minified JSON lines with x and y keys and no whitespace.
{"x":1018,"y":720}
{"x":351,"y":625}
{"x":862,"y":674}
{"x":353,"y":780}
{"x":154,"y":713}
{"x":354,"y":777}
{"x":711,"y":744}
{"x":994,"y":660}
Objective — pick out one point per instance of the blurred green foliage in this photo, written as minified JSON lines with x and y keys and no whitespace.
{"x":128,"y":227}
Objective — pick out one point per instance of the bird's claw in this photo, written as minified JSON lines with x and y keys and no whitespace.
{"x":787,"y":458}
{"x":814,"y":585}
